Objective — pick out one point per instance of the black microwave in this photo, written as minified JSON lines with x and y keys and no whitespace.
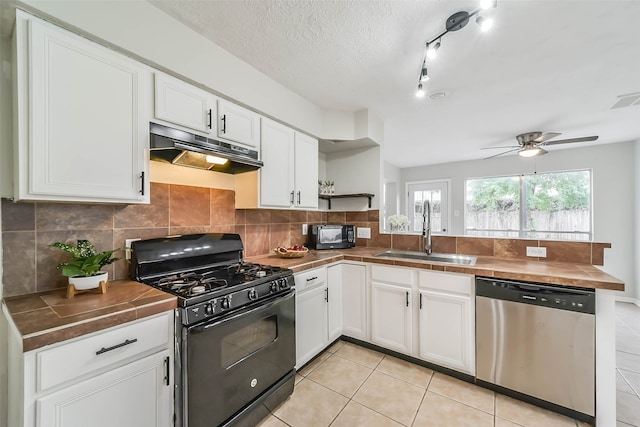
{"x":332,"y":236}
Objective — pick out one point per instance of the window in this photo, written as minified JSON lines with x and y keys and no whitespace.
{"x":540,"y":206}
{"x":437,"y":193}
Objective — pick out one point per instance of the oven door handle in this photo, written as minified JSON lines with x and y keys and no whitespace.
{"x":248,"y":310}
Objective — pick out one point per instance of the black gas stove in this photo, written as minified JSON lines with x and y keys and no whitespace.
{"x":207,"y":274}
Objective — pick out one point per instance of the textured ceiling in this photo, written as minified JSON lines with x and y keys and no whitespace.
{"x":550,"y":65}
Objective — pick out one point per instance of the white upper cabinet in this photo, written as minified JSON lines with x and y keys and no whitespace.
{"x":277,"y":174}
{"x":290,"y":173}
{"x":184,"y":105}
{"x":82,"y":118}
{"x":238,"y":124}
{"x":306,"y":171}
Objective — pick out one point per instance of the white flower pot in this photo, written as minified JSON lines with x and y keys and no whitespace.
{"x":88,"y":282}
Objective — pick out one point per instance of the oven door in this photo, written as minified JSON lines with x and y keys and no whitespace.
{"x":231,"y":361}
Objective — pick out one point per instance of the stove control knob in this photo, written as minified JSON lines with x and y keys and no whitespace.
{"x":224,"y":303}
{"x":253,"y":295}
{"x":208,"y":309}
{"x":274,"y":286}
{"x":283,"y":283}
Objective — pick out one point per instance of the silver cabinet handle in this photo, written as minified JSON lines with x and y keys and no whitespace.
{"x":326,"y":295}
{"x":113,"y":347}
{"x":224,"y":123}
{"x":312,"y":278}
{"x":298,"y":197}
{"x":292,"y":197}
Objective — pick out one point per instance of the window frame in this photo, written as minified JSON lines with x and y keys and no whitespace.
{"x":444,"y":181}
{"x":522,"y":233}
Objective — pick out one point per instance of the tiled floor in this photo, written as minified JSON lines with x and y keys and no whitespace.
{"x":628,"y":364}
{"x":350,"y":386}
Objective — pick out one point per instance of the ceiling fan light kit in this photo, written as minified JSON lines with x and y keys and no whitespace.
{"x":532,"y":151}
{"x":455,"y":22}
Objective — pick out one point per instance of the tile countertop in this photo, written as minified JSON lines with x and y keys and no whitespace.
{"x":49,"y":317}
{"x":561,"y":273}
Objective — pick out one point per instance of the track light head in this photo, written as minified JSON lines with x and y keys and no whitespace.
{"x":420,"y":92}
{"x":424,"y":76}
{"x":432,"y":49}
{"x":488,"y":4}
{"x":484,"y":23}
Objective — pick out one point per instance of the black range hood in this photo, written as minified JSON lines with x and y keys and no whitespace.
{"x":182,"y":148}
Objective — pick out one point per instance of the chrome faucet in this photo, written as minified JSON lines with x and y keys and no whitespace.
{"x":426,"y":226}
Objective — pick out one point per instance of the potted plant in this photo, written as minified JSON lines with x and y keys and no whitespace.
{"x":84,"y":269}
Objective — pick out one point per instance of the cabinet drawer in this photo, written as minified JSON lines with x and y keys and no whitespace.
{"x":311,"y":278}
{"x":67,"y":361}
{"x":447,"y":282}
{"x":392,"y":274}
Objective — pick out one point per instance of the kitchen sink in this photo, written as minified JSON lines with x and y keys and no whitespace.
{"x":446,"y":258}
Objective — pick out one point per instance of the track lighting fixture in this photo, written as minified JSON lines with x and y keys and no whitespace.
{"x":455,"y":22}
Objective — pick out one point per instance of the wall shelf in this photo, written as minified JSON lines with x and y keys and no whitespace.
{"x":329,"y":197}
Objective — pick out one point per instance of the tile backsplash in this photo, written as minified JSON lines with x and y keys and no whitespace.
{"x":29,"y":228}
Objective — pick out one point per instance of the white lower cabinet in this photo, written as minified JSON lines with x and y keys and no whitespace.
{"x":335,"y":316}
{"x":392,"y":308}
{"x":446,"y":320}
{"x":354,"y":301}
{"x":134,"y":395}
{"x":311,"y":314}
{"x":425,"y":314}
{"x":122,"y":376}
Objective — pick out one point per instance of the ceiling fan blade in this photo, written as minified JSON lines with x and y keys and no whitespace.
{"x":500,"y":154}
{"x":546,"y":136}
{"x":502,"y":146}
{"x":569,"y":141}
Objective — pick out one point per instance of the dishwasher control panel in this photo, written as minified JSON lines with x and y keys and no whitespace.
{"x":553,"y":296}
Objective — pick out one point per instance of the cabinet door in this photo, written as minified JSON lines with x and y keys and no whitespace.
{"x":446,"y":330}
{"x":391,"y":317}
{"x":306,"y":171}
{"x":334,"y":290}
{"x":311,"y":324}
{"x":354,"y":301}
{"x":238,"y":124}
{"x":276,"y":176}
{"x":136,"y":395}
{"x":83,"y":134}
{"x":182,"y":104}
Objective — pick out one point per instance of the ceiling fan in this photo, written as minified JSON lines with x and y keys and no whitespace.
{"x":530,"y":144}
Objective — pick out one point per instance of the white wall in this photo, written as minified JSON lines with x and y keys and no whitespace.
{"x":614,"y":173}
{"x":354,"y":171}
{"x":637,"y":220}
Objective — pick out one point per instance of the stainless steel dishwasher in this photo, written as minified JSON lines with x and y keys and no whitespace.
{"x":538,"y":340}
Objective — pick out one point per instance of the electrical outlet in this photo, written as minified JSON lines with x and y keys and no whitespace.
{"x":127,"y":244}
{"x":304,"y":229}
{"x":540,"y":252}
{"x":363,"y":232}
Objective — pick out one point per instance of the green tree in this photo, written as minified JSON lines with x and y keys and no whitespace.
{"x":493,"y":194}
